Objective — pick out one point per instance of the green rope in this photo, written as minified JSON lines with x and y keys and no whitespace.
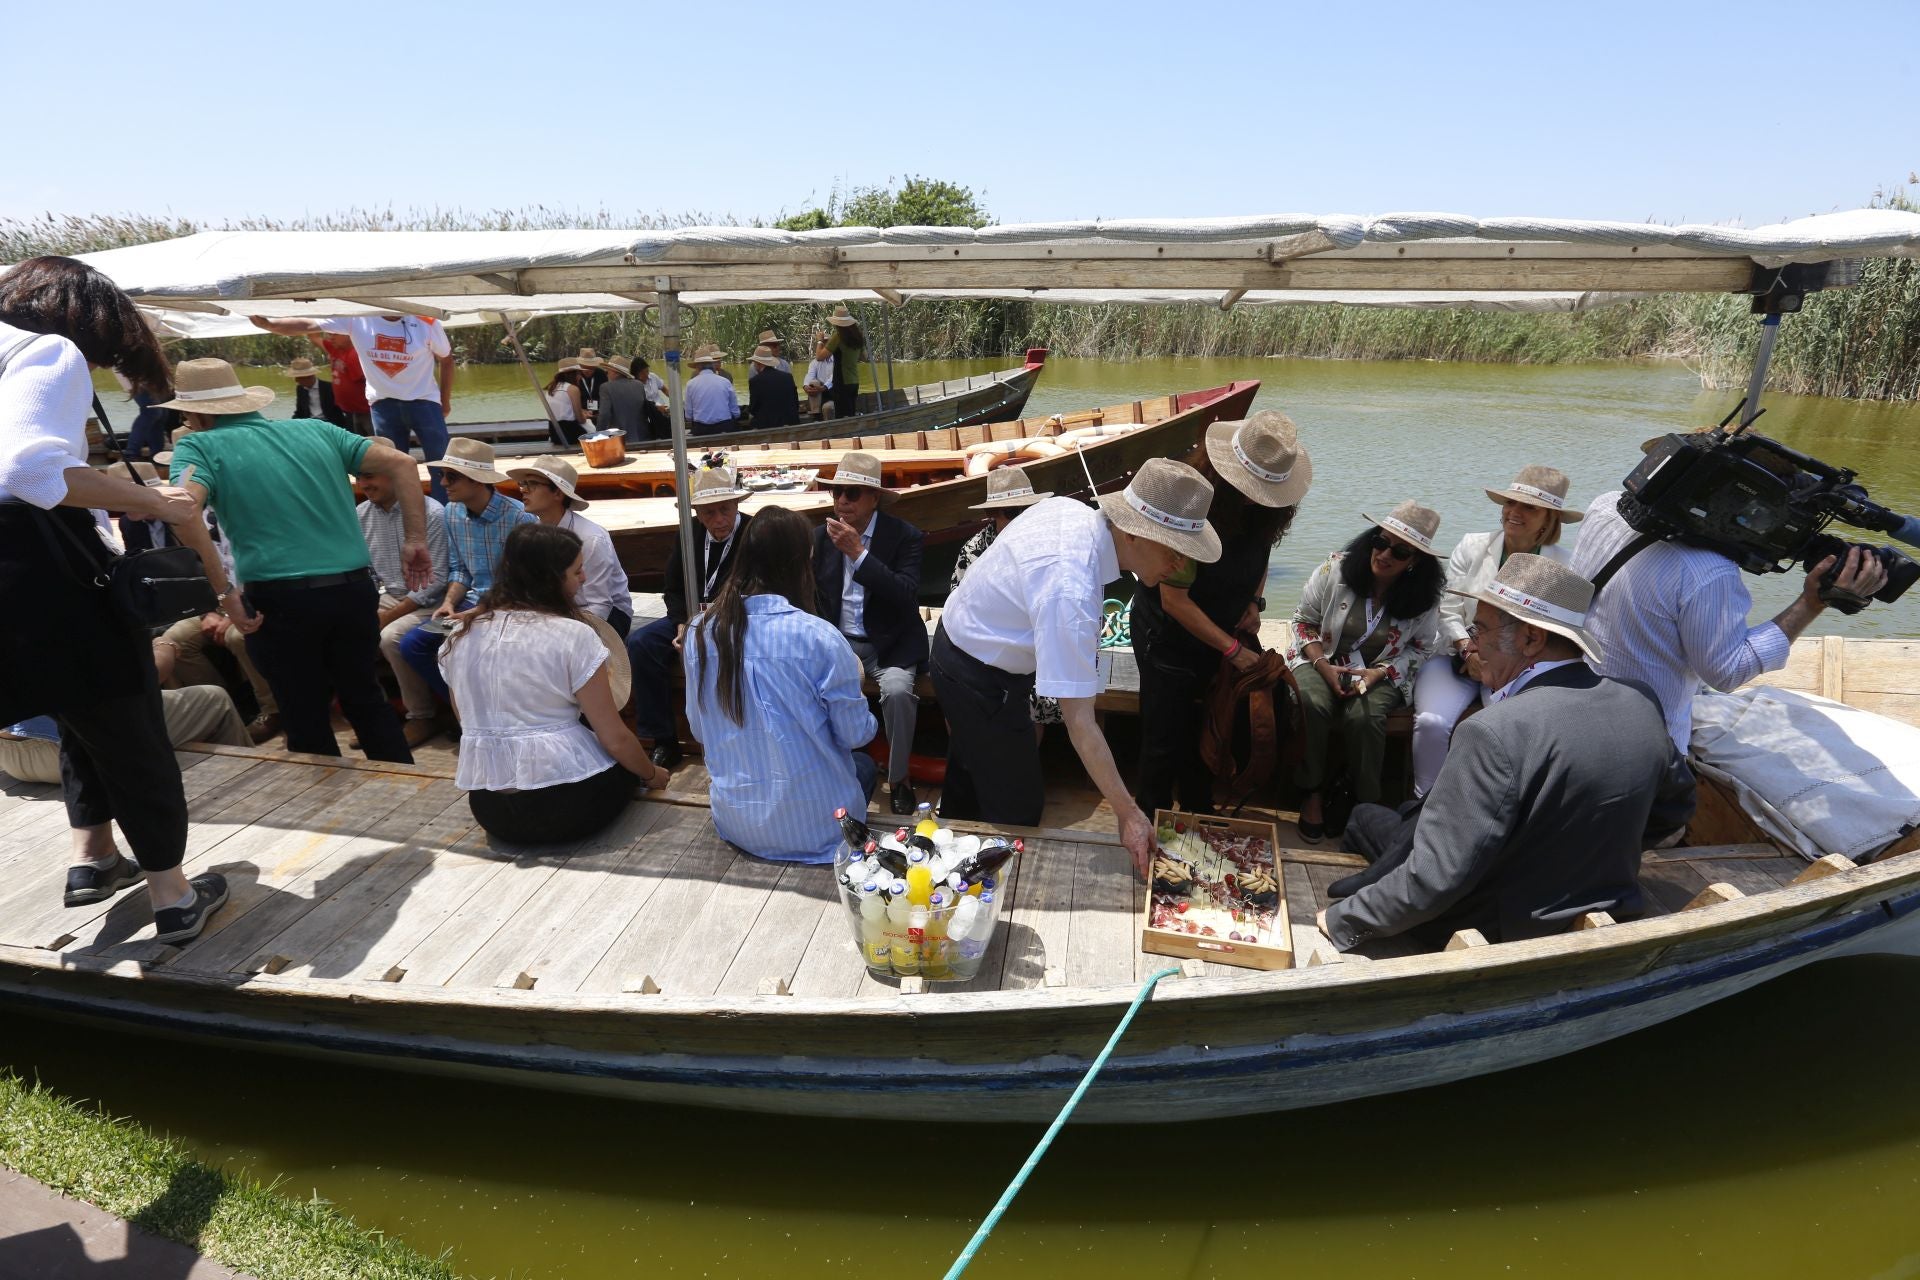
{"x":1033,"y":1161}
{"x":1116,"y":624}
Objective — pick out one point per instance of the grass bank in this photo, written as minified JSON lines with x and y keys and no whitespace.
{"x":1862,"y":342}
{"x":82,"y":1152}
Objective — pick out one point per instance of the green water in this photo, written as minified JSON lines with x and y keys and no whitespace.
{"x":1772,"y":1135}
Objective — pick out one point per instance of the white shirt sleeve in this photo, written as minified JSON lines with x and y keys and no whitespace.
{"x":336,"y":324}
{"x":437,"y":339}
{"x":1066,"y":636}
{"x":584,"y":654}
{"x":45,"y":392}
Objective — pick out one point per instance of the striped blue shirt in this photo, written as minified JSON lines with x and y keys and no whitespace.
{"x":1674,"y":618}
{"x":474,"y":543}
{"x":778,"y":778}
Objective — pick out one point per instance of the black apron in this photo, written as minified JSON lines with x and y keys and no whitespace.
{"x":62,"y":642}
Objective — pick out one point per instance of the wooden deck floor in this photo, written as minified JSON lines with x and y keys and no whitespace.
{"x":363,"y":872}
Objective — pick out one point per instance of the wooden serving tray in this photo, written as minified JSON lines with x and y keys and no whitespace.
{"x":1266,"y":940}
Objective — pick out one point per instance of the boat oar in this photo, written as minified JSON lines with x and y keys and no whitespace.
{"x":1033,"y":1161}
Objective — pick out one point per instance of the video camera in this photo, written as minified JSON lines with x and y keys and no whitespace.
{"x":1763,"y":506}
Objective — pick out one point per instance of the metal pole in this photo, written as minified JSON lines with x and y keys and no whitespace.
{"x":539,"y":392}
{"x":874,"y":367}
{"x":886,"y":330}
{"x":677,"y":414}
{"x":1769,"y":330}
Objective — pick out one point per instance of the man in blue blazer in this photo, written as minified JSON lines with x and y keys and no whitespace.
{"x":866,"y":574}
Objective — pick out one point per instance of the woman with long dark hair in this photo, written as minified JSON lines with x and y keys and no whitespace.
{"x":1191,"y":623}
{"x":65,"y":650}
{"x":566,"y":403}
{"x":522,"y":672}
{"x":773,"y":694}
{"x":1366,"y":619}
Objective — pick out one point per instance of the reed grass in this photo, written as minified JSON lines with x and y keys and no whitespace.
{"x":1862,"y":342}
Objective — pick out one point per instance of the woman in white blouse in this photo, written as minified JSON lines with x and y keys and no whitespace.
{"x":1532,"y":510}
{"x":522,"y":673}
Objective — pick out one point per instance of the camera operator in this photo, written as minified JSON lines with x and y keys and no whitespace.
{"x":1675,"y":616}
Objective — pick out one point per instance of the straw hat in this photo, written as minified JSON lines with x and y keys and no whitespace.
{"x":1009,"y":488}
{"x":1541,"y":593}
{"x":841,"y":319}
{"x":566,"y":363}
{"x":715,"y":484}
{"x":472,"y":459}
{"x":764,"y":356}
{"x":768,"y":338}
{"x":560,"y":474}
{"x":148,"y":472}
{"x":619,"y":668}
{"x":857,"y":468}
{"x":211,"y":386}
{"x":1541,"y":487}
{"x":707,"y":353}
{"x":1262,"y":458}
{"x":1413,"y":523}
{"x":589,"y":358}
{"x":302,"y":368}
{"x":622,"y":367}
{"x":1166,"y":503}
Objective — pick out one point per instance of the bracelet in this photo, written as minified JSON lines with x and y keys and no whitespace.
{"x":1232,"y":648}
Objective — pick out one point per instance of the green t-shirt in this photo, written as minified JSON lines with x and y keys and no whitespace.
{"x":281,"y":493}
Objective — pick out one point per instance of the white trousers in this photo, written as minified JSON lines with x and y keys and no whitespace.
{"x":1439,"y":699}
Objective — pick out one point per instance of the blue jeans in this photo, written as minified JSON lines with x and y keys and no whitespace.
{"x":867,"y":771}
{"x":651,"y":654}
{"x":420,"y":649}
{"x":400,"y":421}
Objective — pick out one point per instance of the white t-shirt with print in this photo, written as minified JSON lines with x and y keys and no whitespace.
{"x":399,"y":356}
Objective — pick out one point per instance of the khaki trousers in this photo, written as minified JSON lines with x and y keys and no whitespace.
{"x":413,"y":689}
{"x":192,"y":665}
{"x":201,"y":713}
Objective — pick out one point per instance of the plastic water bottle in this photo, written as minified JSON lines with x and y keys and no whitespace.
{"x":967,"y":935}
{"x":902,"y":954}
{"x":935,"y":961}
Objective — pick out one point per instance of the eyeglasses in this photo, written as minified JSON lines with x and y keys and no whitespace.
{"x":1398,"y":550}
{"x":530,"y":482}
{"x":1475,"y":629}
{"x":851,"y":492}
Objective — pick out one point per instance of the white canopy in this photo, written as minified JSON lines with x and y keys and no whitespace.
{"x":1412,"y":259}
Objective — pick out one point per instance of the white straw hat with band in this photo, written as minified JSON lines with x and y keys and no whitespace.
{"x":211,"y":386}
{"x":619,"y":666}
{"x":1262,"y":458}
{"x":1166,"y":503}
{"x":1008,"y":488}
{"x":559,"y":474}
{"x":472,"y":459}
{"x":302,"y":368}
{"x":1412,"y":523}
{"x":715,"y":484}
{"x":1542,"y":487}
{"x":841,"y":319}
{"x":857,"y":468}
{"x":1541,"y":593}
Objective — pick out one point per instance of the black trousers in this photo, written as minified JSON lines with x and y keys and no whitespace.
{"x":1172,"y":716}
{"x":316,"y":644}
{"x":554,"y":815}
{"x":117,"y":765}
{"x":993,"y":758}
{"x":565,"y":434}
{"x":844,"y":399}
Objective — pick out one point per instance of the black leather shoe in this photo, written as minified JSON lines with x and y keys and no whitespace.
{"x":903,"y":800}
{"x":667,"y":755}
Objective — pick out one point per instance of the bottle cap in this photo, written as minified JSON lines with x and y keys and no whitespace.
{"x":990,"y":882}
{"x":870,"y":887}
{"x":839,"y":813}
{"x":916,"y":857}
{"x":936,"y":901}
{"x":986,"y":896}
{"x":956,"y":882}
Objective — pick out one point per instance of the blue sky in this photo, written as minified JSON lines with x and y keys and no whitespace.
{"x":1750,"y":112}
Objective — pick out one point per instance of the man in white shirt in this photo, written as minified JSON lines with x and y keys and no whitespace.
{"x":1026,"y":619}
{"x":712,"y":404}
{"x":1674,"y":617}
{"x":409,"y":366}
{"x":549,"y":488}
{"x":382,"y":525}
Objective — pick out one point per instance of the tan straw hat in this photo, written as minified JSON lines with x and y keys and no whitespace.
{"x":472,"y":459}
{"x":619,"y":669}
{"x":1166,"y":503}
{"x":707,"y":353}
{"x":1262,"y":458}
{"x":1412,"y":523}
{"x":589,"y":358}
{"x":211,"y":386}
{"x":857,"y":468}
{"x":302,"y":368}
{"x":841,"y":318}
{"x":1008,"y":488}
{"x":566,"y":363}
{"x":620,"y":366}
{"x":769,"y":338}
{"x":1541,"y":487}
{"x":764,"y":356}
{"x":715,"y":484}
{"x":557,"y":473}
{"x":1541,"y":593}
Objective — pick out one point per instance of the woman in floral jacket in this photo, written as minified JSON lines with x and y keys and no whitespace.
{"x":1365,"y":620}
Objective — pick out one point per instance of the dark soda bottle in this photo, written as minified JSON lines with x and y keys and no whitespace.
{"x":994,"y":852}
{"x":852,"y":829}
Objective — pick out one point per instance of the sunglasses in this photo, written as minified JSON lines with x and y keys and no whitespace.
{"x":851,"y":492}
{"x":1398,"y":550}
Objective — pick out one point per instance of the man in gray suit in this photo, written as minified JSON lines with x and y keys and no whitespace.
{"x":1546,"y":799}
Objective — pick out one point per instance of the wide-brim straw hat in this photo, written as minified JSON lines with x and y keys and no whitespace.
{"x":565,"y":364}
{"x":1541,"y":593}
{"x":1262,"y":458}
{"x":1412,"y":523}
{"x":1008,"y":488}
{"x":619,"y":668}
{"x":769,"y":338}
{"x":842,"y":318}
{"x":302,"y":368}
{"x":559,"y":473}
{"x":715,"y":484}
{"x":1542,"y":487}
{"x":622,"y":367}
{"x":708,"y":355}
{"x":473,"y":459}
{"x":857,"y":467}
{"x":588,"y":358}
{"x":211,"y":386}
{"x":1166,"y":503}
{"x":765,"y":358}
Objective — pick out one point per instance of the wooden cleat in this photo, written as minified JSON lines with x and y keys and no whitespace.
{"x":394,"y":974}
{"x":1832,"y":864}
{"x":1593,"y":920}
{"x":524,"y":982}
{"x":644,"y":985}
{"x":1465,"y":940}
{"x":1713,"y":895}
{"x":774,"y":987}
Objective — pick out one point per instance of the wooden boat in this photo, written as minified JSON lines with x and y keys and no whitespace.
{"x":635,"y":500}
{"x":371,"y":922}
{"x":930,"y":406}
